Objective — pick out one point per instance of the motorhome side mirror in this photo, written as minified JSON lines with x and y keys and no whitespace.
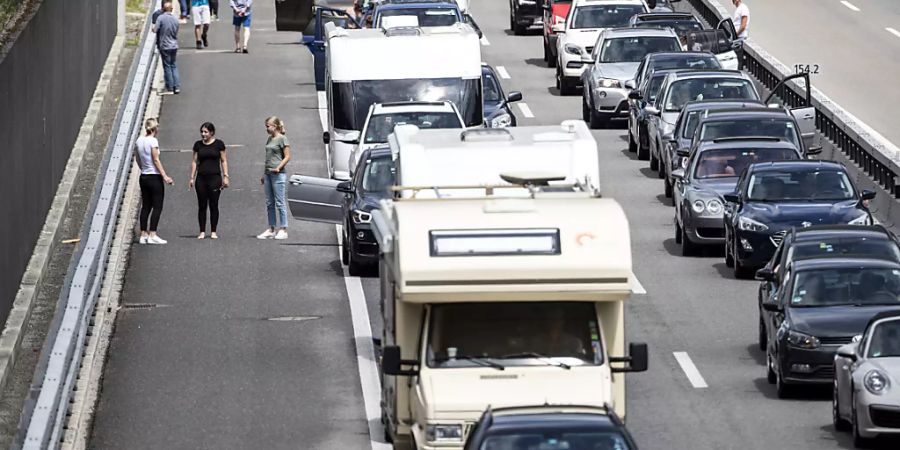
{"x":514,"y":96}
{"x":678,"y":174}
{"x":326,"y":137}
{"x":732,"y":198}
{"x":847,"y":351}
{"x":868,"y":194}
{"x":636,"y":361}
{"x":630,"y":84}
{"x":635,"y":95}
{"x":345,"y":187}
{"x":652,"y":110}
{"x":814,"y":150}
{"x":765,"y":274}
{"x":390,"y":360}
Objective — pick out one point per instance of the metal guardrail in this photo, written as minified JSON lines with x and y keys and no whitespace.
{"x":62,"y":360}
{"x":875,"y":155}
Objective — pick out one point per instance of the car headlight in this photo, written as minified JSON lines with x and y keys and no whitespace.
{"x":573,"y":49}
{"x":714,"y":207}
{"x":609,"y":83}
{"x":748,"y":224}
{"x":501,"y":121}
{"x":801,"y":340}
{"x":361,"y":216}
{"x":861,"y":220}
{"x":698,"y":206}
{"x":876,"y":382}
{"x":443,"y":433}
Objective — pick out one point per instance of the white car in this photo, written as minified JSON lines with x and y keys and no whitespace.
{"x":383,"y":117}
{"x":577,"y":36}
{"x":866,"y":375}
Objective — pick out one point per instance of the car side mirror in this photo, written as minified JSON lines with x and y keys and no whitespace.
{"x":637,"y":359}
{"x":352,"y":137}
{"x":326,"y":138}
{"x":392,"y":364}
{"x":771,"y":306}
{"x":732,"y":198}
{"x":635,"y":95}
{"x":868,"y":194}
{"x":345,"y":187}
{"x":814,"y":150}
{"x":678,"y":174}
{"x":630,"y":84}
{"x":765,"y":274}
{"x":683,"y":152}
{"x":652,"y":110}
{"x":847,"y":351}
{"x":514,"y":96}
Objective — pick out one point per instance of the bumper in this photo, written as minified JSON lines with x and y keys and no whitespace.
{"x":878,"y":419}
{"x":754,"y":249}
{"x":572,"y":66}
{"x":363,"y":243}
{"x":704,"y":230}
{"x":611,"y":101}
{"x":802,"y":366}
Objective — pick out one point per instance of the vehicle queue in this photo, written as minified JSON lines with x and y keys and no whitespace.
{"x":502,"y":290}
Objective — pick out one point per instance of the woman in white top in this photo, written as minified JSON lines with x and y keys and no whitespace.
{"x":153,"y":175}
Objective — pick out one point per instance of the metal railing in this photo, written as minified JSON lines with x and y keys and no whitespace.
{"x":45,"y":411}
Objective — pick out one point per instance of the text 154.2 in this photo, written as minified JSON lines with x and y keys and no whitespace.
{"x":806,"y":68}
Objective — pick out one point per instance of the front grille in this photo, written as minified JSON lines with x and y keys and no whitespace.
{"x":819,"y":373}
{"x":777,"y":238}
{"x":885,"y":417}
{"x":824,"y":372}
{"x":840,"y":340}
{"x":707,"y":232}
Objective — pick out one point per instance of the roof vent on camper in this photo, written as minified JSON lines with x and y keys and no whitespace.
{"x":535,"y":178}
{"x":403,"y":31}
{"x":486,"y":135}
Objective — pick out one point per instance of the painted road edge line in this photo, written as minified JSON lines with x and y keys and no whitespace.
{"x":893,"y":31}
{"x":484,"y":41}
{"x":503,"y":73}
{"x":636,"y":286}
{"x":850,"y":5}
{"x":526,"y":111}
{"x":690,"y":370}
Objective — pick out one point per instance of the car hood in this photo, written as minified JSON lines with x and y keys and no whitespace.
{"x":368,"y":201}
{"x":586,"y":37}
{"x":835,"y":321}
{"x":720,"y":186}
{"x":618,"y":71}
{"x":795,"y":214}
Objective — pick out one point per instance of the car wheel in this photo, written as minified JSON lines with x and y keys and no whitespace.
{"x":345,"y":249}
{"x":688,"y":248}
{"x":661,"y":174}
{"x":559,"y":80}
{"x":740,"y":272}
{"x":840,"y":423}
{"x":770,"y":372}
{"x":677,"y":233}
{"x":763,"y":338}
{"x":729,"y":257}
{"x":519,"y":30}
{"x":643,"y":152}
{"x":547,"y":58}
{"x":585,"y":110}
{"x":551,"y":60}
{"x":565,"y":86}
{"x":782,"y":389}
{"x":596,"y":120}
{"x":858,"y":440}
{"x":632,"y":144}
{"x":668,"y":187}
{"x":353,"y":267}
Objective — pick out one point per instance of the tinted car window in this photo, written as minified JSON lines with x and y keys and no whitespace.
{"x":633,"y":49}
{"x":873,"y":248}
{"x":731,"y":162}
{"x":491,"y":87}
{"x":850,"y":286}
{"x":556,"y":440}
{"x":808,"y":185}
{"x":604,"y":16}
{"x":381,"y":125}
{"x":685,"y":62}
{"x":379,"y":175}
{"x":693,"y":119}
{"x":777,"y":128}
{"x":885,"y":341}
{"x":653,"y":87}
{"x":683,"y":91}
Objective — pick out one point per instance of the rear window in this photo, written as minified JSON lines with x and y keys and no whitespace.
{"x":866,"y":247}
{"x":730,"y":162}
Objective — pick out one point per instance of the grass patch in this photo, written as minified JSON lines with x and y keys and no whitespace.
{"x":133,"y":6}
{"x":7,"y":11}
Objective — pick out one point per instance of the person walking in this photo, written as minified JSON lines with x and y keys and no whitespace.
{"x":200,"y":13}
{"x":209,"y":175}
{"x":153,"y":175}
{"x":214,"y":9}
{"x":185,"y":10}
{"x":167,"y":42}
{"x":241,"y":22}
{"x":741,"y":19}
{"x":278,"y":153}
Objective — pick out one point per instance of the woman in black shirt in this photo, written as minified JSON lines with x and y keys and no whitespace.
{"x":209,"y":175}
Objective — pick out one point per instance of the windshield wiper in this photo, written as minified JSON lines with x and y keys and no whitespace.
{"x":478,"y":360}
{"x":546,"y":359}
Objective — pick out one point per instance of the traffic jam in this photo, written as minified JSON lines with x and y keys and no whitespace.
{"x":503,"y":285}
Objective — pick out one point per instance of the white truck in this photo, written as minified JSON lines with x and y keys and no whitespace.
{"x":500,"y":301}
{"x":368,"y":66}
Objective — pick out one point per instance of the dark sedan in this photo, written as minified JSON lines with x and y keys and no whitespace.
{"x":524,"y":14}
{"x":550,"y":427}
{"x":753,"y":121}
{"x":497,"y":113}
{"x":771,"y":198}
{"x":822,"y":304}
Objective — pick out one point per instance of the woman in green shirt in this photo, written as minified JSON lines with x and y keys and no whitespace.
{"x":278,"y":153}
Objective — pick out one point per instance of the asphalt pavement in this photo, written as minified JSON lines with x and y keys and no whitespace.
{"x":205,"y":369}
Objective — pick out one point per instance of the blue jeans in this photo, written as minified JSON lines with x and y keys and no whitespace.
{"x":275,"y":204}
{"x":185,"y":9}
{"x":170,"y":70}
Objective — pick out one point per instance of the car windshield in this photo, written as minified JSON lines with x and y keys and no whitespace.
{"x":425,"y":17}
{"x":381,"y":125}
{"x":604,"y":16}
{"x":491,"y":87}
{"x":508,"y":333}
{"x":885,"y":341}
{"x":770,"y":127}
{"x":846,"y":286}
{"x":681,"y":27}
{"x":634,"y":49}
{"x":707,"y":88}
{"x":653,"y":87}
{"x":856,"y":246}
{"x":730,"y":162}
{"x":714,"y":41}
{"x":555,"y":440}
{"x":800,"y":185}
{"x":379,"y":175}
{"x":685,"y":62}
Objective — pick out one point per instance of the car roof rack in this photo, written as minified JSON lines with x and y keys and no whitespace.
{"x":535,"y":182}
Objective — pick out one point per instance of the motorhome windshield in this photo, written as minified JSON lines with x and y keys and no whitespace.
{"x":514,"y":334}
{"x":351,"y":100}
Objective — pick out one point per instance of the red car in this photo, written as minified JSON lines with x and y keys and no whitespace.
{"x":555,"y":11}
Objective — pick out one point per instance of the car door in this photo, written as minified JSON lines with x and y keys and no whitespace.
{"x":316,"y":199}
{"x":314,"y":37}
{"x":293,"y":15}
{"x":718,"y":41}
{"x":804,"y":112}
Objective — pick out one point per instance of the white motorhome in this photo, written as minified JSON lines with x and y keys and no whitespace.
{"x":477,"y":156}
{"x":500,"y":301}
{"x":399,"y":64}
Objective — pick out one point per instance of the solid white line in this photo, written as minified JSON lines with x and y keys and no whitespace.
{"x":893,"y":31}
{"x":484,"y":40}
{"x":850,"y":5}
{"x":503,"y":73}
{"x":690,"y":370}
{"x":636,"y":286}
{"x":526,"y":111}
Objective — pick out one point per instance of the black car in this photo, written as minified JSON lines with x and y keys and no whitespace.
{"x":771,"y":198}
{"x":523,"y":14}
{"x":682,"y":23}
{"x":822,"y":241}
{"x":550,"y":427}
{"x":753,"y":121}
{"x":712,"y":171}
{"x":348,"y":203}
{"x":822,"y":303}
{"x":497,"y":113}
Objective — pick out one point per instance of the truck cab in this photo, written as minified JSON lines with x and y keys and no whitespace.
{"x":500,"y":301}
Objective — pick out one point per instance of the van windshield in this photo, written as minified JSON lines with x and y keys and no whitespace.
{"x":514,"y":334}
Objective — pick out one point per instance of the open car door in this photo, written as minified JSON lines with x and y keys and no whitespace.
{"x":804,"y":112}
{"x":316,"y":199}
{"x":719,"y":42}
{"x":314,"y":36}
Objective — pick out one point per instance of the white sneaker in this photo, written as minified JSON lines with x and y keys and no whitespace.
{"x":142,"y":240}
{"x":281,"y":234}
{"x":156,"y":240}
{"x":268,"y":234}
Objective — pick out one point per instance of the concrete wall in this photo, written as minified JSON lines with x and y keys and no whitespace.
{"x":47,"y":78}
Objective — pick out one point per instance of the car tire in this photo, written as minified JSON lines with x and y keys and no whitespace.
{"x":596,"y":121}
{"x":782,"y":389}
{"x":643,"y":153}
{"x":729,"y":257}
{"x":546,"y":53}
{"x":688,"y":248}
{"x":740,"y":272}
{"x":654,"y":163}
{"x":858,"y":440}
{"x":762,"y":338}
{"x":668,"y":187}
{"x":585,"y":110}
{"x":840,"y":424}
{"x":551,"y":60}
{"x":677,"y":233}
{"x":354,"y":267}
{"x":345,"y":249}
{"x":661,"y":174}
{"x":519,"y":30}
{"x":565,"y":86}
{"x":632,"y":143}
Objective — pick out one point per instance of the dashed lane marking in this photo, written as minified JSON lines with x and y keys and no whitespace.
{"x":503,"y":73}
{"x":690,"y":370}
{"x":484,"y":41}
{"x":526,"y":111}
{"x":893,"y":31}
{"x":850,"y":5}
{"x":636,"y":286}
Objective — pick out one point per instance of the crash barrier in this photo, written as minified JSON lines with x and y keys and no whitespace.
{"x":45,"y":410}
{"x":874,"y":154}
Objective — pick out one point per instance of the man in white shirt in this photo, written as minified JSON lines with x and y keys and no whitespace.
{"x":741,"y":19}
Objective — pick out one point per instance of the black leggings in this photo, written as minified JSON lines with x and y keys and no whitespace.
{"x":152,"y":196}
{"x":208,"y":188}
{"x":214,"y":7}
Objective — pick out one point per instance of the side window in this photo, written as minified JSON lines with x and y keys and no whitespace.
{"x":776,"y":258}
{"x":663,"y":93}
{"x":640,"y":74}
{"x":784,"y":286}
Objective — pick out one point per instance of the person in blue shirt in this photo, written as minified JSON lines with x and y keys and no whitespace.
{"x":241,"y":22}
{"x":201,"y":14}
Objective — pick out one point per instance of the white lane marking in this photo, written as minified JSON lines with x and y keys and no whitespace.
{"x":503,"y":73}
{"x":850,"y":5}
{"x":526,"y":111}
{"x":484,"y":40}
{"x":636,"y":286}
{"x":362,"y":332}
{"x":893,"y":31}
{"x":690,"y":370}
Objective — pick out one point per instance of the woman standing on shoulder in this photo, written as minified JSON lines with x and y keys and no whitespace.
{"x":153,"y":175}
{"x":278,"y":153}
{"x":207,"y":167}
